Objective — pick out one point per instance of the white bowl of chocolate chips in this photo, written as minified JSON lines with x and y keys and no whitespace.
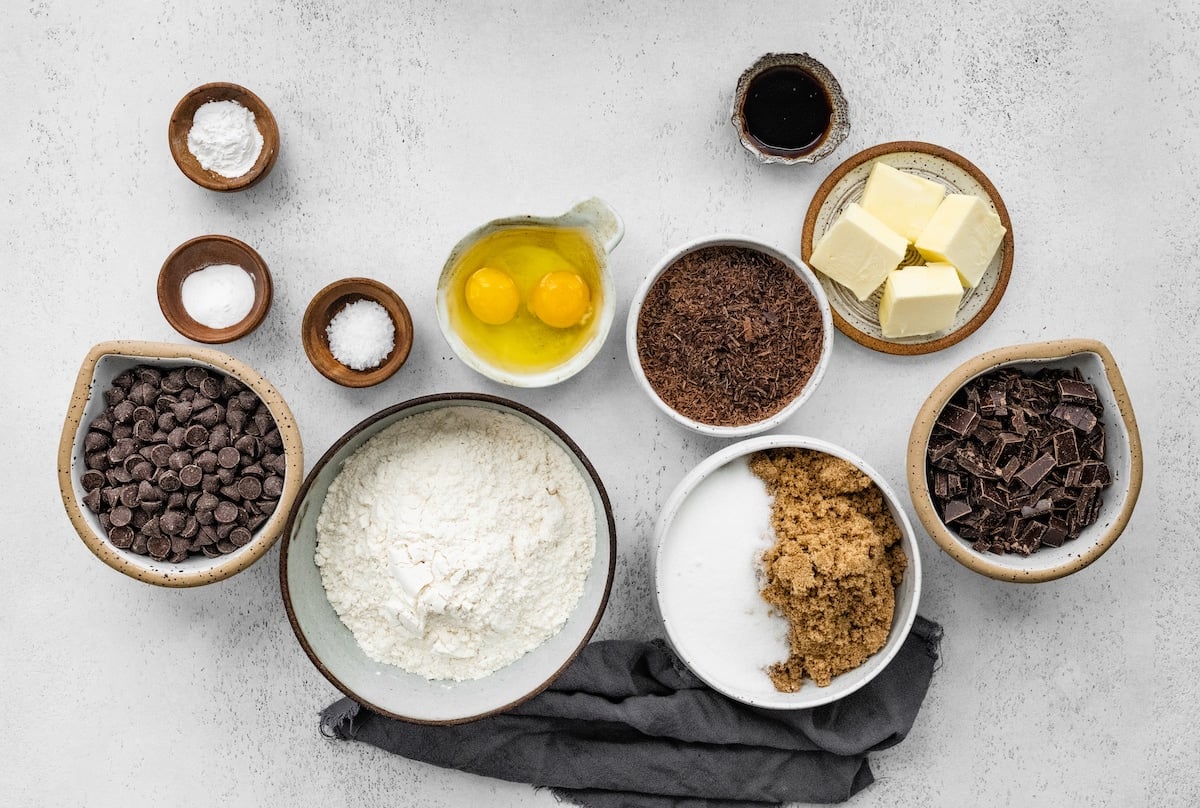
{"x":177,"y":464}
{"x":1025,"y":463}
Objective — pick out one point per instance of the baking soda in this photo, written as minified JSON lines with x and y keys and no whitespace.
{"x":224,"y":138}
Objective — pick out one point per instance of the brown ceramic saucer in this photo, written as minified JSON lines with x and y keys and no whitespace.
{"x":859,"y":320}
{"x":332,"y":299}
{"x":201,"y":252}
{"x":181,"y":124}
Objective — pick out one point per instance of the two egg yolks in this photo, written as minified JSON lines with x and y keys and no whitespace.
{"x":560,"y":299}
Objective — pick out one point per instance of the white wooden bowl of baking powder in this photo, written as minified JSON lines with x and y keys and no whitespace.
{"x":389,"y":689}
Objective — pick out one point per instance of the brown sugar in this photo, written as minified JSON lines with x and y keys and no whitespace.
{"x":833,"y":569}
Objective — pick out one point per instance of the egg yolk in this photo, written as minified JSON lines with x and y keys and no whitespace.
{"x":492,"y":295}
{"x":560,"y":299}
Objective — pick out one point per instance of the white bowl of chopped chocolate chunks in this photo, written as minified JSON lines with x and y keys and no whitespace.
{"x":1025,"y":463}
{"x":177,"y":464}
{"x":729,"y":336}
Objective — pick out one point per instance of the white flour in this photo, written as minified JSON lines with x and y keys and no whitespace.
{"x":455,"y":541}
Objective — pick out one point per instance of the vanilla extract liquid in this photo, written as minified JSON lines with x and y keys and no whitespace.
{"x":787,"y":110}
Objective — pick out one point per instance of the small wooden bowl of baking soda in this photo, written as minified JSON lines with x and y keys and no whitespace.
{"x":357,"y":332}
{"x":214,"y":289}
{"x":223,"y":137}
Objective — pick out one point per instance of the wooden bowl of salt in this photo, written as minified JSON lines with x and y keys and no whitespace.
{"x":214,"y":289}
{"x":347,"y":338}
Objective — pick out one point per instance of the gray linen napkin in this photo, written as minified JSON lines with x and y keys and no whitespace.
{"x":628,"y":725}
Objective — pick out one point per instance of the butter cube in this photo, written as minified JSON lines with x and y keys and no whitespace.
{"x":919,"y":300}
{"x":965,"y":232}
{"x":902,"y":201}
{"x":858,"y":251}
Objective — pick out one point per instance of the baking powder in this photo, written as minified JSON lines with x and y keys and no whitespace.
{"x":455,"y":541}
{"x":224,"y":138}
{"x":219,"y":295}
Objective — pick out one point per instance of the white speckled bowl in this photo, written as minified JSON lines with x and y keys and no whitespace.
{"x":725,"y":240}
{"x":390,"y":690}
{"x":1123,"y":453}
{"x":709,"y":652}
{"x":105,"y":362}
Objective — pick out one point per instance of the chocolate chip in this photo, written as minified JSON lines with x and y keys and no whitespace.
{"x":92,"y":499}
{"x":123,"y":412}
{"x":190,"y":475}
{"x":158,"y":547}
{"x":225,"y":546}
{"x":121,"y":515}
{"x":172,"y":522}
{"x":272,"y":487}
{"x":228,"y":457}
{"x":153,"y":460}
{"x":249,"y":488}
{"x":195,"y":435}
{"x":160,"y":455}
{"x":121,"y":537}
{"x":225,"y":512}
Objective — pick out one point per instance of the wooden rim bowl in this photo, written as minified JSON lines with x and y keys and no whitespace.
{"x":332,"y":299}
{"x":201,"y":252}
{"x":181,"y":124}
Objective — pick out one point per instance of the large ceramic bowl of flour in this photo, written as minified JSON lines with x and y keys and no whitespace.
{"x":448,"y":557}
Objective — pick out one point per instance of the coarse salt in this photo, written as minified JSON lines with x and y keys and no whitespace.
{"x":361,"y":335}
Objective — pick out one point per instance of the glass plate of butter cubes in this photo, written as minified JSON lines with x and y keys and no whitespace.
{"x":912,"y":244}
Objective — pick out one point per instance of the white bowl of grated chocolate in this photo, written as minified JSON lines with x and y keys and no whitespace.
{"x":729,"y":336}
{"x":448,"y":557}
{"x":177,"y":464}
{"x":786,"y":573}
{"x":1025,"y":463}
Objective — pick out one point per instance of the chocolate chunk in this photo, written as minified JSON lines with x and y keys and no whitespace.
{"x":955,"y":509}
{"x":1028,"y":461}
{"x":1032,"y":474}
{"x":1080,"y":418}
